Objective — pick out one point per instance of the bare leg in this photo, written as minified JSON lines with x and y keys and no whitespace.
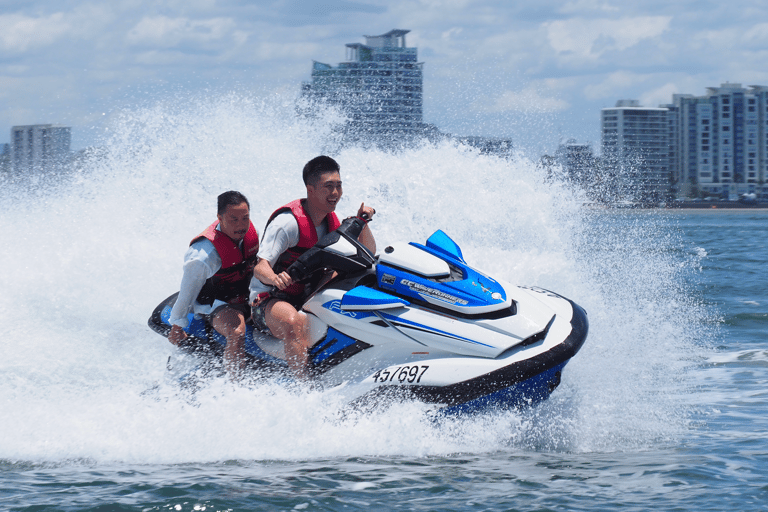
{"x":292,"y":327}
{"x":231,"y":324}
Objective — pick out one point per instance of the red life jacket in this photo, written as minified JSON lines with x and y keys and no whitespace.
{"x":307,"y":238}
{"x":230,"y":283}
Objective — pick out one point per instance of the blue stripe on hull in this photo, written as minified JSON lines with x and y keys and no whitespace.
{"x":322,"y":351}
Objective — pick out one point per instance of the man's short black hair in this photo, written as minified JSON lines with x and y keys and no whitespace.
{"x":231,"y":198}
{"x":317,"y":167}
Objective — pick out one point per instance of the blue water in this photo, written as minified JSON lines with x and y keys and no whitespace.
{"x":663,"y":408}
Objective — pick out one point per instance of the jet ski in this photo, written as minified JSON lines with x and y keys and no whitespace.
{"x":415,"y":322}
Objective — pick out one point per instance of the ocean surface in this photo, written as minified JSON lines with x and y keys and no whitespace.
{"x":664,"y":408}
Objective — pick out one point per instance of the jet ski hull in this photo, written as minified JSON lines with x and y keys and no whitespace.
{"x":514,"y":381}
{"x":415,"y":322}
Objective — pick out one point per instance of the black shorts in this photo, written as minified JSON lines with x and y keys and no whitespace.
{"x":243,"y":308}
{"x":258,"y":315}
{"x":259,"y":311}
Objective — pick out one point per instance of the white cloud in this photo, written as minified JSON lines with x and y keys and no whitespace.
{"x":531,"y":99}
{"x":443,"y":5}
{"x":270,"y":50}
{"x":588,"y":39}
{"x":165,"y":32}
{"x":449,"y":34}
{"x":587,"y":5}
{"x":659,"y":96}
{"x":757,"y":34}
{"x":21,"y":33}
{"x":613,"y":86}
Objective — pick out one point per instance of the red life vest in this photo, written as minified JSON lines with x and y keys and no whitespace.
{"x":307,"y":238}
{"x":230,"y":283}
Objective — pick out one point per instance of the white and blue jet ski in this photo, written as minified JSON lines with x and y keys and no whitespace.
{"x":415,"y":322}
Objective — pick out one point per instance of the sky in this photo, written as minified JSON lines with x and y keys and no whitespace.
{"x":536,"y":71}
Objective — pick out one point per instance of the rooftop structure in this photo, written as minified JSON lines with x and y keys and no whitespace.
{"x":379,"y":86}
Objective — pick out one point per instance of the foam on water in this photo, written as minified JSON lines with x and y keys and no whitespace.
{"x":86,"y":261}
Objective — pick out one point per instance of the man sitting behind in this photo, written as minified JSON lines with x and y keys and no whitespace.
{"x":290,"y":231}
{"x":218,"y":267}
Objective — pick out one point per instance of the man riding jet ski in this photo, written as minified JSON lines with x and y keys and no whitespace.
{"x":218,"y":266}
{"x":417,"y":322}
{"x":291,"y":230}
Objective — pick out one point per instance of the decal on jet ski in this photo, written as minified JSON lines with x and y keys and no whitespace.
{"x":397,"y":321}
{"x":432,"y":292}
{"x":401,"y":374}
{"x":336,"y":348}
{"x":335,"y":306}
{"x":543,"y":291}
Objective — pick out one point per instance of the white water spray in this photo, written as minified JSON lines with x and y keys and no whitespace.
{"x":85,"y":263}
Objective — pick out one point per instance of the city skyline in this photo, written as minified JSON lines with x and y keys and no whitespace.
{"x":535,"y":72}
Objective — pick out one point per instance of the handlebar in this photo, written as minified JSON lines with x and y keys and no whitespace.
{"x":317,"y":257}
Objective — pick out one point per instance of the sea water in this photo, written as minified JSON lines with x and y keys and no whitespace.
{"x":664,"y":406}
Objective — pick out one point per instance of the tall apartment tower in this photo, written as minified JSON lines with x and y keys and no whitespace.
{"x":39,"y":149}
{"x":636,"y":147}
{"x":379,"y":86}
{"x":722,"y":144}
{"x":5,"y":158}
{"x":577,"y":160}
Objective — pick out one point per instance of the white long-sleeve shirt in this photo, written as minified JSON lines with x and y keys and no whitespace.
{"x":201,"y":261}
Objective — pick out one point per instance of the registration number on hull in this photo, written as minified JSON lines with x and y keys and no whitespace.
{"x":410,"y":374}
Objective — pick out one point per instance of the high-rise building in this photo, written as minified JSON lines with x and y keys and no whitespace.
{"x":39,"y":149}
{"x":577,"y":161}
{"x":722,"y":143}
{"x":379,"y":87}
{"x":636,"y":149}
{"x":5,"y":158}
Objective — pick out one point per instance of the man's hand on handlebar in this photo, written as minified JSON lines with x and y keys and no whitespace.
{"x":365,"y":212}
{"x":282,"y":281}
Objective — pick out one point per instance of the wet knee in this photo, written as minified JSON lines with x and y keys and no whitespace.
{"x":237,"y":333}
{"x":286,"y":322}
{"x":298,"y":324}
